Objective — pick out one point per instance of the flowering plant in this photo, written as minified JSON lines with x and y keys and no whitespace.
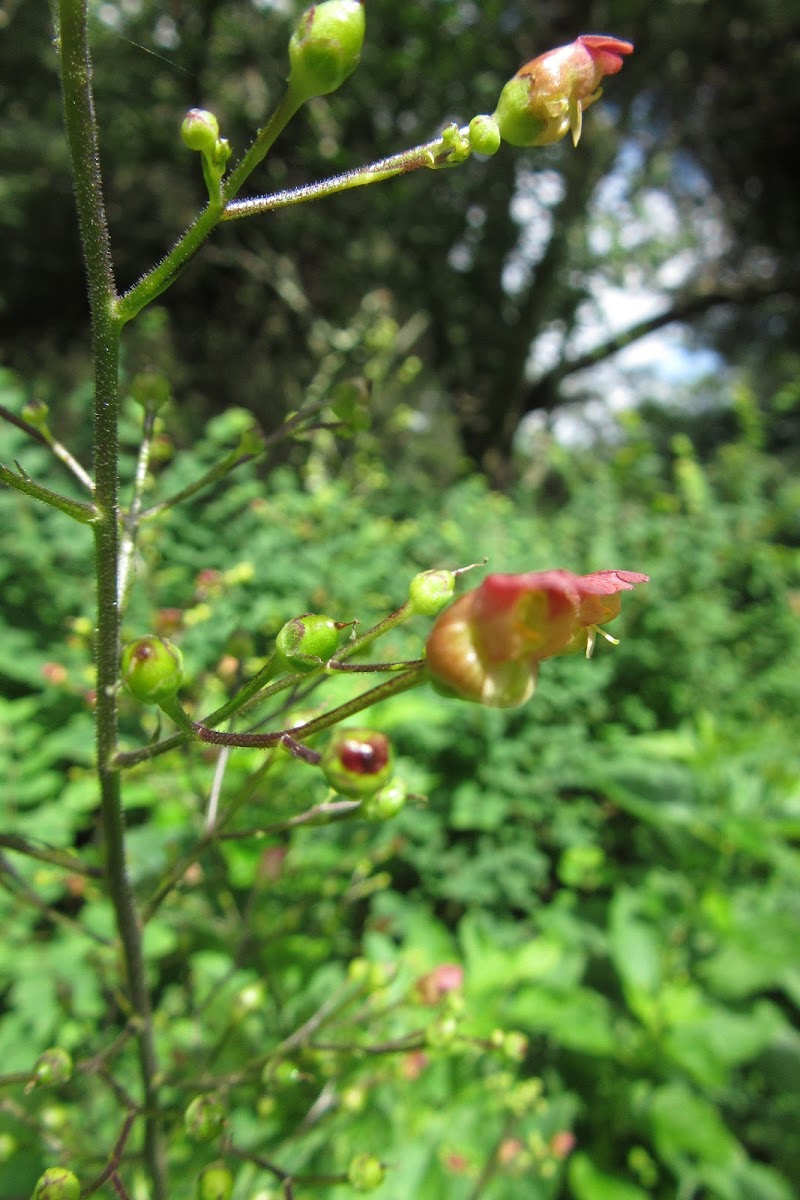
{"x":487,"y":646}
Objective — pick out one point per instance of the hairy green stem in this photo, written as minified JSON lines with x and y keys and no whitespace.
{"x":49,"y":854}
{"x":77,"y":509}
{"x":384,"y":691}
{"x":82,"y":139}
{"x":164,"y":274}
{"x":440,"y":152}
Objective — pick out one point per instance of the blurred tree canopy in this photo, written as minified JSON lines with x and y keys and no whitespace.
{"x":498,"y":272}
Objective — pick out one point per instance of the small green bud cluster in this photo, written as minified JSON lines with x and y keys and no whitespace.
{"x":57,"y":1183}
{"x":357,"y":762}
{"x":325,"y":47}
{"x":306,"y":642}
{"x":200,"y":132}
{"x":204,"y":1118}
{"x":152,"y":669}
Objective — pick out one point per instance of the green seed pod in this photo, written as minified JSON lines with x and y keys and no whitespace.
{"x":200,"y":130}
{"x":386,"y":803}
{"x":54,"y":1066}
{"x":152,"y":669}
{"x":325,"y":47}
{"x":366,"y":1173}
{"x":429,"y":591}
{"x":57,"y":1183}
{"x":204,"y":1118}
{"x":357,"y":762}
{"x":215,"y":1182}
{"x":484,"y":135}
{"x":307,"y":642}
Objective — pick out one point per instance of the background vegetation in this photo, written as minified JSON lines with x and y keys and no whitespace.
{"x":615,"y":866}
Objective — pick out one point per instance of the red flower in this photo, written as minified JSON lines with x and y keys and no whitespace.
{"x":487,"y":646}
{"x":546,"y":98}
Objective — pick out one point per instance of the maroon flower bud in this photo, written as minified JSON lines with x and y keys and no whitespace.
{"x":357,"y":762}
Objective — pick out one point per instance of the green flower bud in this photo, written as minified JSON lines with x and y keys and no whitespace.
{"x":366,"y":1173}
{"x":429,"y":591}
{"x":215,"y":1182}
{"x":284,"y":1074}
{"x":152,"y":669}
{"x":204,"y":1118}
{"x":8,"y":1147}
{"x":57,"y":1183}
{"x":386,"y":803}
{"x":515,"y":1046}
{"x":36,"y":412}
{"x":200,"y":130}
{"x":307,"y":642}
{"x":151,"y":390}
{"x":54,"y":1066}
{"x":484,"y":135}
{"x":357,"y":762}
{"x":325,"y":47}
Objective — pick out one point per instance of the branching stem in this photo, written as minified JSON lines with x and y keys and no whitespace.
{"x":106,"y":326}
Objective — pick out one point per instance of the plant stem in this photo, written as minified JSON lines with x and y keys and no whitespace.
{"x":440,"y":152}
{"x":49,"y":854}
{"x":82,"y":139}
{"x":163,"y":275}
{"x":77,"y":509}
{"x":392,"y":687}
{"x":130,"y":524}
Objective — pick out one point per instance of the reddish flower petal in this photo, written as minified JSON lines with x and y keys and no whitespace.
{"x":606,"y":51}
{"x":600,"y":594}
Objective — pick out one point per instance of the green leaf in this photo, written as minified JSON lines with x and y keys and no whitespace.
{"x":588,"y":1182}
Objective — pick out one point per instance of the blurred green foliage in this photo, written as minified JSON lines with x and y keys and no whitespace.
{"x":614,"y":866}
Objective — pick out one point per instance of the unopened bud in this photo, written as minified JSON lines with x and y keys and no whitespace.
{"x":357,"y":762}
{"x":429,"y":591}
{"x":152,"y":669}
{"x":307,"y":642}
{"x":325,"y":47}
{"x":215,"y":1182}
{"x":36,"y":413}
{"x":366,"y":1173}
{"x":54,"y":1066}
{"x":204,"y":1118}
{"x":484,"y":135}
{"x":57,"y":1183}
{"x":386,"y":803}
{"x":200,"y":130}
